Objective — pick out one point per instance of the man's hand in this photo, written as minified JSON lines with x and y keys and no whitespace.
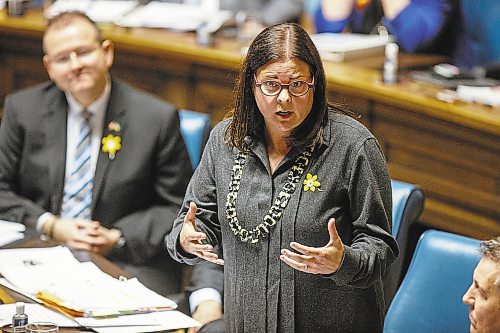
{"x":78,"y":234}
{"x":110,"y":236}
{"x":206,"y":312}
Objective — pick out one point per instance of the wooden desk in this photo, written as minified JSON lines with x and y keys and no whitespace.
{"x":451,"y":150}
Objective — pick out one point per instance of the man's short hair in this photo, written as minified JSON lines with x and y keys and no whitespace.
{"x":64,"y":19}
{"x":491,"y":249}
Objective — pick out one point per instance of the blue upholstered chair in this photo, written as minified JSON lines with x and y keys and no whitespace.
{"x":195,"y":128}
{"x":429,"y":299}
{"x":407,"y":206}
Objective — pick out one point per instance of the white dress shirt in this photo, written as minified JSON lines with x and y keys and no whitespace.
{"x":98,"y":112}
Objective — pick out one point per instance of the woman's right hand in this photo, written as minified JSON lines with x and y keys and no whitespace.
{"x":191,"y":241}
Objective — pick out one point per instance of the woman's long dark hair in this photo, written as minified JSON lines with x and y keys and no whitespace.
{"x":276,"y":42}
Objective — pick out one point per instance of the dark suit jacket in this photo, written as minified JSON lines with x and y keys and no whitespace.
{"x":139,"y":192}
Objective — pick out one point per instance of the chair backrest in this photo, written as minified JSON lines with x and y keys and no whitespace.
{"x":407,"y":206}
{"x":429,"y":299}
{"x":195,"y":128}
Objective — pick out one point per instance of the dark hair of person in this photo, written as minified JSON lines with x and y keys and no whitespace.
{"x":64,"y":19}
{"x":274,"y":43}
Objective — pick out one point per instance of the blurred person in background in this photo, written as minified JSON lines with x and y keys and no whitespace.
{"x":417,"y":25}
{"x":463,"y":30}
{"x":478,"y":35}
{"x":91,"y":162}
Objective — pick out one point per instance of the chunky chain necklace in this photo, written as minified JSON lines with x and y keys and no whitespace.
{"x":276,"y":210}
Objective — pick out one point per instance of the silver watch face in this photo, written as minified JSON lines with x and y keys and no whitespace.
{"x":121,"y":242}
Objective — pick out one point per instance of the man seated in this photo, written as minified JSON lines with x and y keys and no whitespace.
{"x":483,"y":296}
{"x":205,"y":296}
{"x":91,"y":162}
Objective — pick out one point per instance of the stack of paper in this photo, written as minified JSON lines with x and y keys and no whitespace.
{"x":79,"y":289}
{"x":484,"y":95}
{"x":99,"y":11}
{"x":155,"y":14}
{"x":10,"y":232}
{"x":67,"y":5}
{"x":83,"y":291}
{"x":150,"y":322}
{"x":340,"y":47}
{"x":174,"y":16}
{"x":110,"y":10}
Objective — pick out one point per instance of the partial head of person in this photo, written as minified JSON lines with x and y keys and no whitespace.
{"x":483,"y":296}
{"x":75,"y":56}
{"x":280,"y":89}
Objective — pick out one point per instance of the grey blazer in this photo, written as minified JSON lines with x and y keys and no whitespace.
{"x":261,"y":293}
{"x":139,"y":191}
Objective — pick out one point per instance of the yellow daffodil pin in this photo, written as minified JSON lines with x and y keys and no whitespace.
{"x":111,"y":144}
{"x":311,"y":183}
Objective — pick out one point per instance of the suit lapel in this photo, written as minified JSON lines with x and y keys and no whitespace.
{"x":56,"y":132}
{"x":115,"y":112}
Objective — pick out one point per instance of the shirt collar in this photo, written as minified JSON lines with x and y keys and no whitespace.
{"x":98,"y":107}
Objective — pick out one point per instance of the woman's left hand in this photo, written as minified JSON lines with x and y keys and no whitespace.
{"x":316,"y":260}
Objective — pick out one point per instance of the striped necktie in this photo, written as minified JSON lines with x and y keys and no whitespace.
{"x":78,"y":188}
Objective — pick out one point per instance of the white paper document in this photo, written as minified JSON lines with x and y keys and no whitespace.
{"x":10,"y":232}
{"x":35,"y":312}
{"x":484,"y":95}
{"x":340,"y":47}
{"x":30,"y":257}
{"x":67,"y":5}
{"x":93,"y":297}
{"x":56,"y":276}
{"x":174,"y":16}
{"x":98,"y":294}
{"x":148,"y":322}
{"x":110,"y":10}
{"x":33,"y":269}
{"x":4,"y":282}
{"x":98,"y":10}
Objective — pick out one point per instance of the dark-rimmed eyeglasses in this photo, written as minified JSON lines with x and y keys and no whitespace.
{"x":295,"y":88}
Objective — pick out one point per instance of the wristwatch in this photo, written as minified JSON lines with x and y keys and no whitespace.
{"x":121,"y":242}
